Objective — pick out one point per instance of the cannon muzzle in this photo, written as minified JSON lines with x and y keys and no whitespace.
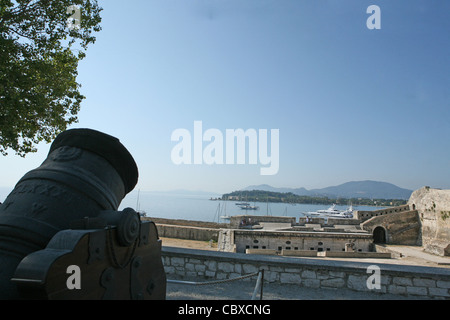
{"x":58,"y":212}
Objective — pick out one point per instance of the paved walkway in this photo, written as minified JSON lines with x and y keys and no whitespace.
{"x":416,"y":255}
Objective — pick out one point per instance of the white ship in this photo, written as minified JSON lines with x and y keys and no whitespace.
{"x":332,"y":212}
{"x":249,"y":207}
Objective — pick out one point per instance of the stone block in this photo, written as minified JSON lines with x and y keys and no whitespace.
{"x":200,"y":268}
{"x":395,"y":289}
{"x":289,"y":277}
{"x":189,"y":267}
{"x":385,"y":280}
{"x":234,"y":275}
{"x":195,"y":261}
{"x":271,"y":276}
{"x":225,"y":267}
{"x":249,"y":268}
{"x":309,"y":274}
{"x":429,"y":283}
{"x":210,"y":274}
{"x":333,"y":283}
{"x":176,"y":261}
{"x":322,"y":275}
{"x":439,"y":292}
{"x":211,"y":265}
{"x":294,"y":270}
{"x":443,"y":284}
{"x":337,"y":274}
{"x":276,"y":269}
{"x":179,"y":272}
{"x":221,"y":276}
{"x":191,"y":274}
{"x":401,"y":281}
{"x":358,"y":283}
{"x":311,"y":283}
{"x":166,"y":261}
{"x":417,"y":291}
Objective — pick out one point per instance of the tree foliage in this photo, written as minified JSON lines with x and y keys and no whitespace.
{"x":39,"y":55}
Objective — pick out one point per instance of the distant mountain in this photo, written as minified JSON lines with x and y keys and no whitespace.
{"x":355,"y":189}
{"x":266,"y":187}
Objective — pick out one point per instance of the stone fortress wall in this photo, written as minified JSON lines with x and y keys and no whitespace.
{"x":433,"y":207}
{"x":410,"y":281}
{"x":425,"y":220}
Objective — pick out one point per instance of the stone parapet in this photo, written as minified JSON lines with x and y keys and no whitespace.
{"x":188,"y":232}
{"x":425,"y":282}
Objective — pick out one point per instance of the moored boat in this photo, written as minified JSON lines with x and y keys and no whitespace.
{"x":332,"y":212}
{"x":249,"y":207}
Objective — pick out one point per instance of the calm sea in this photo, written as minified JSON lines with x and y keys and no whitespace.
{"x":199,"y":206}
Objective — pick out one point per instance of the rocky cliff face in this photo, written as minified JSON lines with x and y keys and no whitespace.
{"x":433,"y":206}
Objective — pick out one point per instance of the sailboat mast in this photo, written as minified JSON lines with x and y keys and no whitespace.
{"x":137,"y":201}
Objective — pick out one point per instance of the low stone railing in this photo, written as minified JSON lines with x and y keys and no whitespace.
{"x":426,"y":282}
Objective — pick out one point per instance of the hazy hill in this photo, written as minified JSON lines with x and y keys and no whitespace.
{"x":355,"y":189}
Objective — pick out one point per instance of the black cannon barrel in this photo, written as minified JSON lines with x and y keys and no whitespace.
{"x":86,"y":172}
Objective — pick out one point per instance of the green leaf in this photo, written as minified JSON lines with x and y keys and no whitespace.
{"x":39,"y":93}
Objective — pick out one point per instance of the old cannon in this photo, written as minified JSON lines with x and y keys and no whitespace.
{"x":61,"y":236}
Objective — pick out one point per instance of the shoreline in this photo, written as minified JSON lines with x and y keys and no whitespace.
{"x":312,"y":204}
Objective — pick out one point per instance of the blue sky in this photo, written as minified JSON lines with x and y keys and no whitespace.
{"x":350,"y":103}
